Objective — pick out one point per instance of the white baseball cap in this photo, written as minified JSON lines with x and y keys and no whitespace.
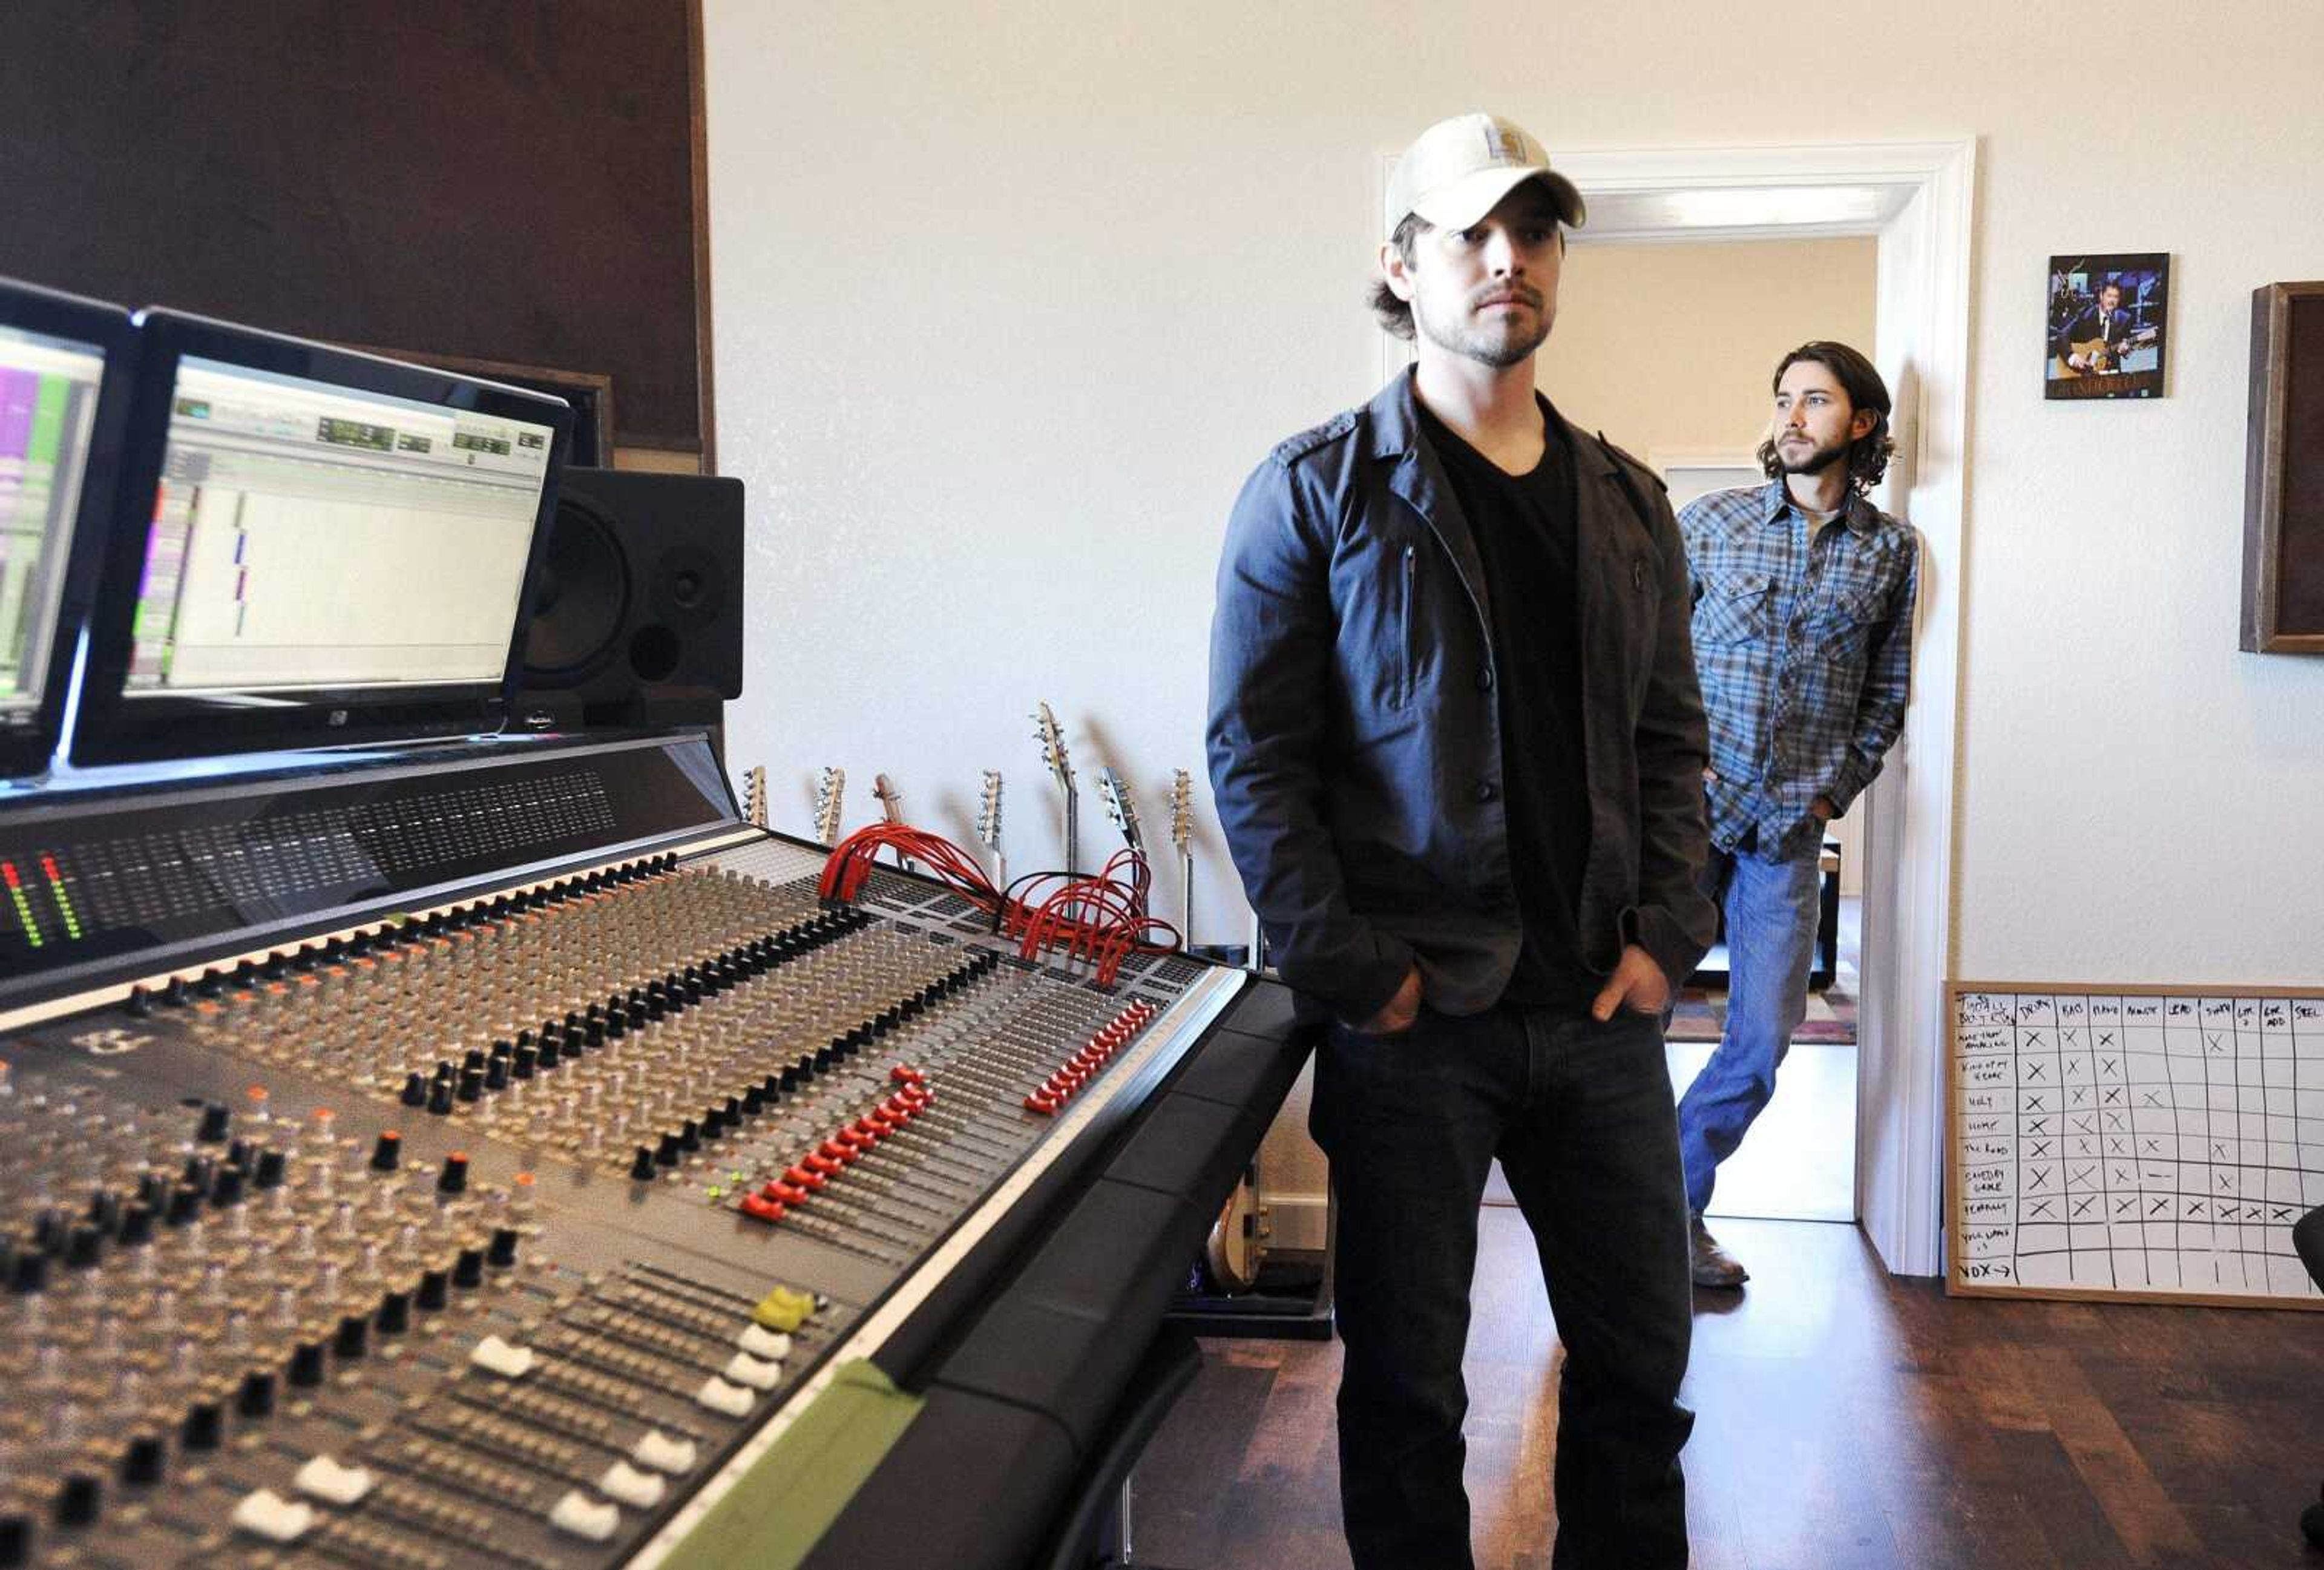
{"x":1458,"y":171}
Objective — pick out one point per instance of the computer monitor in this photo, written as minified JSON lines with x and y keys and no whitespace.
{"x":312,"y":547}
{"x":65,"y":374}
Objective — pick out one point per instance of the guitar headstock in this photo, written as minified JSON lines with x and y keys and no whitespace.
{"x":890,"y":799}
{"x":754,"y":797}
{"x":1121,"y":807}
{"x":828,"y":794}
{"x":1053,"y":747}
{"x":1182,"y":810}
{"x":988,"y":810}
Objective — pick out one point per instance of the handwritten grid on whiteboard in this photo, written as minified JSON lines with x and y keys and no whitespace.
{"x":2149,"y":1144}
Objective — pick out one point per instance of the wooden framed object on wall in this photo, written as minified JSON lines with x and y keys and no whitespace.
{"x":2283,"y":472}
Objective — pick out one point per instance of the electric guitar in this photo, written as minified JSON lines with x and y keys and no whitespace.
{"x":988,"y":826}
{"x":1061,"y":770}
{"x":1121,"y":809}
{"x":1238,"y":1239}
{"x":754,"y":797}
{"x":1181,"y":838}
{"x":828,"y":794}
{"x":891,"y":806}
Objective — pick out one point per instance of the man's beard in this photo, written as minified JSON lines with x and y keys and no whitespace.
{"x":1499,"y":347}
{"x":1817,"y":460}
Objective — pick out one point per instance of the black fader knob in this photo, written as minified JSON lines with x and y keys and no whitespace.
{"x":454,"y":1177}
{"x":354,"y":1336}
{"x":307,"y":1365}
{"x":204,"y":1426}
{"x":78,"y":1500}
{"x":141,"y":1461}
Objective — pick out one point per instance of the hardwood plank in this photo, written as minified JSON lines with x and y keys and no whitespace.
{"x":1846,"y":1421}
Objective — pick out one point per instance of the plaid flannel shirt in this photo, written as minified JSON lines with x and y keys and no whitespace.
{"x":1805,"y":649}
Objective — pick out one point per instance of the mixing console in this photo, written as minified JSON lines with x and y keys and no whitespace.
{"x":488,"y":1233}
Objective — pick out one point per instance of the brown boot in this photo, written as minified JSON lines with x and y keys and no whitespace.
{"x":1713,"y":1266}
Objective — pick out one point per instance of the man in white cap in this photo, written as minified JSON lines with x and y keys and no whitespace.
{"x":1458,"y":751}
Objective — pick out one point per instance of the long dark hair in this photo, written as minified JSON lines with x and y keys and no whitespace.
{"x":1867,"y":455}
{"x":1392,"y":312}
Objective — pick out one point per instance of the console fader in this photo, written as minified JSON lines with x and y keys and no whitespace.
{"x":487,"y":1231}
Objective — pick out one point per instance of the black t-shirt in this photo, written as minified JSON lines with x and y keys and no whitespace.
{"x":1524,"y":526}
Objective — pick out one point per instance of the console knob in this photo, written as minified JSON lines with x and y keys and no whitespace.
{"x":204,"y":1426}
{"x":78,"y":1500}
{"x":355,"y":1335}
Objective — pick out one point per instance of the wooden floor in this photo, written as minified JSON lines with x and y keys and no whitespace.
{"x":1846,"y":1419}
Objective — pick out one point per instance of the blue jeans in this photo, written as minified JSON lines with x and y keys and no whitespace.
{"x":1579,"y":1115}
{"x":1771,"y":908}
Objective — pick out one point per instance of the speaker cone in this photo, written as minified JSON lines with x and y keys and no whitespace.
{"x":581,"y":600}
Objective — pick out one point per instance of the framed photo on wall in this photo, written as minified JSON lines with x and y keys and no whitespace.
{"x":2108,"y":325}
{"x":2283,"y":472}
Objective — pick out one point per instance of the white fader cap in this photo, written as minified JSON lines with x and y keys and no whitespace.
{"x":1458,"y":171}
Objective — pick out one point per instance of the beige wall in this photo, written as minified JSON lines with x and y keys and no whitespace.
{"x":1668,"y":347}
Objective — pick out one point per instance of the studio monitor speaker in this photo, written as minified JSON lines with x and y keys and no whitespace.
{"x":637,"y":614}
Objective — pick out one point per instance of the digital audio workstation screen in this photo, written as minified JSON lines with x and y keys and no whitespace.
{"x":48,"y":406}
{"x":309,"y":537}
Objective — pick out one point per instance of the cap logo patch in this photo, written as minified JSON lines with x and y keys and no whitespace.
{"x":1502,"y":146}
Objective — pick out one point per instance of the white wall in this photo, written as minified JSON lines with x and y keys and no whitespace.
{"x":1009,"y":298}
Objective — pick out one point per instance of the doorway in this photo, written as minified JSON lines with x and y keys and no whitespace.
{"x":1665,"y":344}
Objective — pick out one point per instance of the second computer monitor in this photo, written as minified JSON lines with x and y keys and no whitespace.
{"x":313,"y":547}
{"x":64,"y":377}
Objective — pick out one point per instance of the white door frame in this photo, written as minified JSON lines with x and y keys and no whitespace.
{"x":1923,"y":349}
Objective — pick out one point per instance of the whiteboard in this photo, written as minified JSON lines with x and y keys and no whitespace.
{"x":2150,"y":1145}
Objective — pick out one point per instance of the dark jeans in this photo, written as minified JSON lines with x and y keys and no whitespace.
{"x":1580,"y":1114}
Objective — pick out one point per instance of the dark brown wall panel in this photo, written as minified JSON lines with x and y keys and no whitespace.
{"x":504,"y":181}
{"x":2299,"y":558}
